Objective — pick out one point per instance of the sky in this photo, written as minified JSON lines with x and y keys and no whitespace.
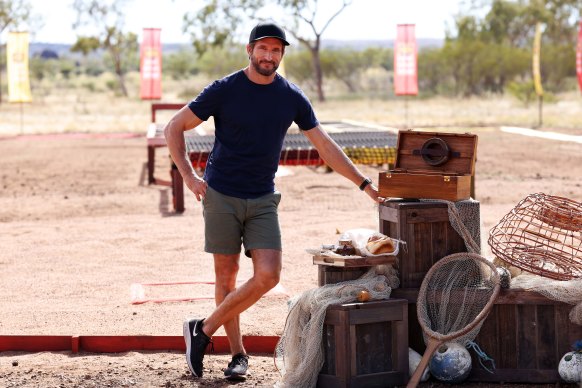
{"x":362,"y":20}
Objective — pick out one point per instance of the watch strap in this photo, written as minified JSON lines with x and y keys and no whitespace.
{"x":365,"y":183}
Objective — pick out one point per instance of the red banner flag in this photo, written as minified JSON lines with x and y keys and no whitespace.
{"x":579,"y":57}
{"x":405,"y":61}
{"x":151,"y":64}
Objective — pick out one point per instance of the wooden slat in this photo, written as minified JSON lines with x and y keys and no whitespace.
{"x":377,"y":314}
{"x":386,"y":379}
{"x":526,"y":337}
{"x":506,"y":318}
{"x":328,"y":347}
{"x":531,"y":376}
{"x":546,"y":344}
{"x":342,"y":349}
{"x":424,"y":215}
{"x":400,"y":330}
{"x":565,"y":331}
{"x":372,"y":356}
{"x":424,"y":257}
{"x":440,"y":240}
{"x":331,"y":275}
{"x":354,"y":261}
{"x":487,"y":338}
{"x":388,"y":214}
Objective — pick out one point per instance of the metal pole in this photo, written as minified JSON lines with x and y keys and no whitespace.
{"x":21,"y":118}
{"x":406,"y":111}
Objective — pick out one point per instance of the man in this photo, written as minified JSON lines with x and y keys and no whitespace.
{"x":252,"y":109}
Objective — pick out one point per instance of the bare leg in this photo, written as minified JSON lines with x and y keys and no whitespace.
{"x":226,"y":269}
{"x":267,"y":270}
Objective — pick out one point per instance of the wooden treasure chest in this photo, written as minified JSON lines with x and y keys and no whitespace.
{"x":431,"y":165}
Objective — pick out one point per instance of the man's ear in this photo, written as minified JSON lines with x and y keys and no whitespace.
{"x":249,"y":50}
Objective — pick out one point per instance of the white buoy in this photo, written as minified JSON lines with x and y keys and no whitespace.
{"x":570,"y":367}
{"x":413,"y":361}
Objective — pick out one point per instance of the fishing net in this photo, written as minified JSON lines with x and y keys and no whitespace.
{"x":465,"y":219}
{"x":299,"y":352}
{"x":568,"y":291}
{"x":455,"y":297}
{"x":453,"y":294}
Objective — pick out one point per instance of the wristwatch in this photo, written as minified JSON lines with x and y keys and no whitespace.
{"x":365,"y":183}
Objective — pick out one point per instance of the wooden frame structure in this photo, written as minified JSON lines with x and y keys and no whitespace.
{"x":363,"y":143}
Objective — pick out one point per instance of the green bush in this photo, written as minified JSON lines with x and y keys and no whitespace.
{"x":524,"y":91}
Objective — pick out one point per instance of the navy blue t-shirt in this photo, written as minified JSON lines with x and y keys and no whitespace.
{"x":251,"y":122}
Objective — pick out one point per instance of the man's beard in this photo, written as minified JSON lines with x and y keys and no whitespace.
{"x":263,"y":71}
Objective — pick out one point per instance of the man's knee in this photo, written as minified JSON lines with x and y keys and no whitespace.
{"x":267,"y":264}
{"x":226,"y":268}
{"x":267,"y":279}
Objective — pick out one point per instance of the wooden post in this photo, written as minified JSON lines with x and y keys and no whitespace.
{"x":177,"y":189}
{"x":540,"y":108}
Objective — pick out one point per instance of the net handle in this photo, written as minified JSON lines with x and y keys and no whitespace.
{"x":482,"y":315}
{"x":431,"y":347}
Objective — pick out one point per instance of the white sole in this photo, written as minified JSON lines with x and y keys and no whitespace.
{"x":188,"y":340}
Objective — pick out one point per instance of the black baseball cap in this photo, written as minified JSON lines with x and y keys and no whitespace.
{"x":268,"y":30}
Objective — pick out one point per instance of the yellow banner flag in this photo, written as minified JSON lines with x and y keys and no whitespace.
{"x":17,"y":67}
{"x":536,"y":60}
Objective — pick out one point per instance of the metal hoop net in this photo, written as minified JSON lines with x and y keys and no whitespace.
{"x":456,"y":296}
{"x":541,"y":235}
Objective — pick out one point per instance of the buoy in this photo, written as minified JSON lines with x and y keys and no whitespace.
{"x":570,"y":367}
{"x":413,"y":361}
{"x":363,"y":296}
{"x":451,"y":363}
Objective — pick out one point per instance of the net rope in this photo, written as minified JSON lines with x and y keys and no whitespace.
{"x":299,"y":352}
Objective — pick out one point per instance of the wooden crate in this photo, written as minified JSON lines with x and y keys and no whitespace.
{"x":353,"y":261}
{"x":525,"y":333}
{"x":428,"y":234}
{"x":431,"y":165}
{"x":328,"y":274}
{"x":365,"y":345}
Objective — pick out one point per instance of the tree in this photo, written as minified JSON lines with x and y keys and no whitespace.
{"x":215,"y":23}
{"x":221,"y":60}
{"x":492,"y":50}
{"x":345,"y":65}
{"x":12,"y":14}
{"x":180,"y":65}
{"x":108,"y":18}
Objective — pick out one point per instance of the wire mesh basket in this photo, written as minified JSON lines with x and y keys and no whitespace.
{"x":542,"y":235}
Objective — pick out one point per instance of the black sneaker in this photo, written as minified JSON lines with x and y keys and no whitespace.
{"x":196,"y":343}
{"x":237,"y":368}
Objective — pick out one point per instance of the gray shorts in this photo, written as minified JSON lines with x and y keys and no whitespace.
{"x":230,"y":221}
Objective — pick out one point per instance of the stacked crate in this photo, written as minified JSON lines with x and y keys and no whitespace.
{"x":525,"y":333}
{"x":365,"y":344}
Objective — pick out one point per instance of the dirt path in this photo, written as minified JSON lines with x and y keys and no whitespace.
{"x":78,"y":226}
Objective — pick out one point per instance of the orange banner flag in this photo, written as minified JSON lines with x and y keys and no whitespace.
{"x":405,"y":61}
{"x":151,"y":64}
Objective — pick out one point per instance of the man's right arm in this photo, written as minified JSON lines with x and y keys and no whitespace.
{"x":174,"y":130}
